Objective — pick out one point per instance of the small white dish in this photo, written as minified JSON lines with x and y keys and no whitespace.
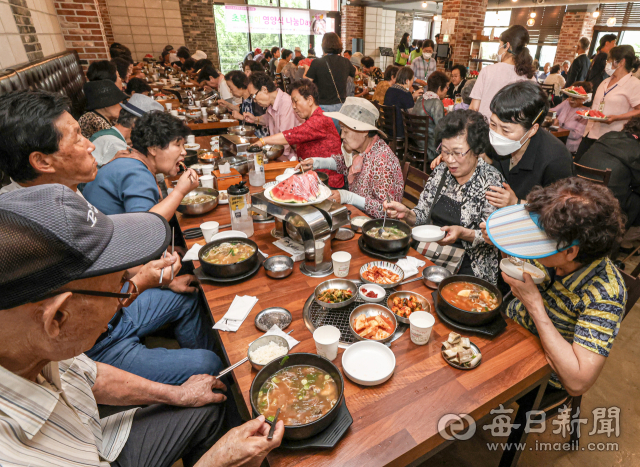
{"x":428,"y":233}
{"x":192,"y":147}
{"x":228,"y":120}
{"x":229,"y":234}
{"x":368,"y":363}
{"x":223,"y":201}
{"x":514,"y":271}
{"x":379,"y":291}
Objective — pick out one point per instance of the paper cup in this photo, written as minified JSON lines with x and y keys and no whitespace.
{"x":341,"y":261}
{"x":197,"y":103}
{"x":168,"y":105}
{"x":326,"y":338}
{"x":421,"y":324}
{"x":191,"y":139}
{"x":209,"y":229}
{"x":207,"y":181}
{"x":174,"y":113}
{"x":207,"y":169}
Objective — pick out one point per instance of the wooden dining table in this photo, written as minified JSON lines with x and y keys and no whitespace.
{"x":394,"y":423}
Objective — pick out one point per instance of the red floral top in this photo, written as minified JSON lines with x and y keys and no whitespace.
{"x":380,"y":175}
{"x":317,"y":137}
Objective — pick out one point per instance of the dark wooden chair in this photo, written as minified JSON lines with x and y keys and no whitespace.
{"x":416,"y":128}
{"x":286,"y":83}
{"x":551,"y":402}
{"x":548,"y":88}
{"x":417,"y":186}
{"x":387,"y":123}
{"x":279,"y":81}
{"x":601,"y":177}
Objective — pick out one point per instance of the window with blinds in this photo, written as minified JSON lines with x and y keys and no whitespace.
{"x":626,"y":14}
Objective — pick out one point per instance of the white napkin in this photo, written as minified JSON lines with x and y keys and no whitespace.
{"x":224,"y":168}
{"x":192,"y":254}
{"x":276,"y":331}
{"x":410,"y":265}
{"x":294,"y":249}
{"x":237,"y":313}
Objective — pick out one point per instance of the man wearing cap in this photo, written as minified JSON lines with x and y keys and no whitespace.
{"x":298,"y":53}
{"x":199,"y":55}
{"x":60,"y":281}
{"x":62,"y":156}
{"x":567,"y":230}
{"x":108,"y":142}
{"x":103,"y":106}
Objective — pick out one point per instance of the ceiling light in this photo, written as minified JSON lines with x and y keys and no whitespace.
{"x":596,"y":13}
{"x":436,"y":17}
{"x":531,"y":22}
{"x":532,"y":14}
{"x":611,"y":21}
{"x":514,"y":1}
{"x":424,"y":4}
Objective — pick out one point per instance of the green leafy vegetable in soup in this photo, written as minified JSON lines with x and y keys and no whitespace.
{"x":390,"y":233}
{"x":229,"y":253}
{"x":199,"y":199}
{"x":303,"y":394}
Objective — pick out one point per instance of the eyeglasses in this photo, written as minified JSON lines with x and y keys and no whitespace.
{"x":124,"y":299}
{"x":447,"y":154}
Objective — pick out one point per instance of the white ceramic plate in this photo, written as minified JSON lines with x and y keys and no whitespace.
{"x":268,"y":185}
{"x":229,"y":234}
{"x":192,"y":147}
{"x":575,"y":94}
{"x":227,"y":120}
{"x":514,"y":271}
{"x":368,"y":363}
{"x":224,"y":201}
{"x":428,"y":233}
{"x":325,"y":192}
{"x":372,"y":288}
{"x":595,"y":119}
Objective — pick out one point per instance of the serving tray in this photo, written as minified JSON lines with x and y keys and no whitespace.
{"x":327,"y":438}
{"x":381,"y":254}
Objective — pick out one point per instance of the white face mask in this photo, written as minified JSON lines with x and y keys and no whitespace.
{"x":500,"y":56}
{"x":426,"y":56}
{"x":608,"y":69}
{"x":503,"y":145}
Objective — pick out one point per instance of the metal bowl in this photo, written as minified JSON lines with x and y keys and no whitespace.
{"x":372,"y":309}
{"x":323,"y":177}
{"x":264,"y":340}
{"x":201,"y":208}
{"x":356,"y":228}
{"x":433,"y":275}
{"x":241,"y":164}
{"x":239,"y":130}
{"x":273,"y":151}
{"x":380,"y":244}
{"x":336,"y":284}
{"x":274,"y":315}
{"x":470,"y":318}
{"x":216,"y":110}
{"x":279,"y":266}
{"x":423,"y":301}
{"x":228,"y":271}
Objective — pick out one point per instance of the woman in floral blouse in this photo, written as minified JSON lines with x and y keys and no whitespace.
{"x":461,"y":205}
{"x":372,"y":169}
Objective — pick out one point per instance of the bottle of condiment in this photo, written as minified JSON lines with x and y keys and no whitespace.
{"x":239,"y":206}
{"x":256,"y":165}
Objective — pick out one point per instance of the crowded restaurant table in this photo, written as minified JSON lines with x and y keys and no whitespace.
{"x":397,"y":422}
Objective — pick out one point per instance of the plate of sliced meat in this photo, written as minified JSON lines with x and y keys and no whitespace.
{"x":299,"y":190}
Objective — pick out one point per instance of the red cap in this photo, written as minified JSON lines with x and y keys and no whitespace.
{"x":258,"y":51}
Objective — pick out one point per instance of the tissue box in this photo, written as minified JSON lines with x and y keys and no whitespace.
{"x":226,"y":180}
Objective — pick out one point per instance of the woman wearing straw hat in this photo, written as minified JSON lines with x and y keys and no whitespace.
{"x":372,"y":169}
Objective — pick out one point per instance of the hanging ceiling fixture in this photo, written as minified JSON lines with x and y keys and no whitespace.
{"x":436,"y":17}
{"x":531,"y":22}
{"x":532,"y":14}
{"x":611,"y":21}
{"x":596,"y":13}
{"x":514,"y":1}
{"x":424,"y":4}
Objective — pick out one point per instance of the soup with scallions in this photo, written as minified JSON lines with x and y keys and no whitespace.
{"x":198,"y":199}
{"x":389,"y":233}
{"x":469,"y":297}
{"x":303,"y":393}
{"x":229,"y":253}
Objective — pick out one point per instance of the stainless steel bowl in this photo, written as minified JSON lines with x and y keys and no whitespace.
{"x":423,"y":301}
{"x":372,"y":309}
{"x":202,"y":208}
{"x":239,"y":130}
{"x":209,"y":157}
{"x":279,"y":266}
{"x":216,"y":110}
{"x":241,"y":164}
{"x":357,"y":228}
{"x":274,"y":315}
{"x":337,"y":284}
{"x":273,"y":151}
{"x":433,"y":275}
{"x":264,"y":340}
{"x":257,"y":216}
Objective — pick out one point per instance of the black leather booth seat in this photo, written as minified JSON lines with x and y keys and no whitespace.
{"x":57,"y":73}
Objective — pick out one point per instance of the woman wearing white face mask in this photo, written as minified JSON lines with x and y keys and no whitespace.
{"x":424,"y":64}
{"x":528,"y":155}
{"x":514,"y":64}
{"x":618,"y":97}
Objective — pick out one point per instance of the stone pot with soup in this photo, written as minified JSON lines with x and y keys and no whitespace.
{"x":395,"y":237}
{"x":229,"y":257}
{"x":469,"y":300}
{"x":306,"y":387}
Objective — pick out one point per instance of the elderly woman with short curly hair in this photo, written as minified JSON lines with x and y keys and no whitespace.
{"x":571,"y":227}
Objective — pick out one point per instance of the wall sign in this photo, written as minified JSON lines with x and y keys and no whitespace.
{"x":266,"y":20}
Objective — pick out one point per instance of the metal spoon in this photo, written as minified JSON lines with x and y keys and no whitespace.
{"x":381,"y":229}
{"x":273,"y":425}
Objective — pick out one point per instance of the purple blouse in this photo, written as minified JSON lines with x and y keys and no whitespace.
{"x":569,"y":120}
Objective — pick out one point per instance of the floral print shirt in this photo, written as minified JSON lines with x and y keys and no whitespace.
{"x":380,"y":175}
{"x":92,"y":122}
{"x":475,"y":209}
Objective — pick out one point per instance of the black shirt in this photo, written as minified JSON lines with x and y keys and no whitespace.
{"x":341,"y":69}
{"x":546,"y":160}
{"x":596,"y":73}
{"x":578,"y":70}
{"x":401,"y":99}
{"x":452,"y":91}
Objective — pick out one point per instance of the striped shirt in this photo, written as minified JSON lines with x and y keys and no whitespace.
{"x":586,"y":306}
{"x":55,"y":421}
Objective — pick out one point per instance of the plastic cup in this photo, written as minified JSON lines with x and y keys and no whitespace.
{"x":168,"y":105}
{"x":421,"y":323}
{"x":174,"y":113}
{"x":341,"y":261}
{"x":326,"y":338}
{"x":207,"y":169}
{"x":191,"y":139}
{"x":207,"y":181}
{"x":209,"y":229}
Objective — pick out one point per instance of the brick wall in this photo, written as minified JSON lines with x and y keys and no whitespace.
{"x":574,"y":26}
{"x":103,"y":9}
{"x":469,"y":16}
{"x":83,"y":29}
{"x":352,"y":24}
{"x":198,"y":25}
{"x":404,"y":23}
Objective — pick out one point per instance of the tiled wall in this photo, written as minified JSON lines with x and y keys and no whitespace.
{"x":379,"y":32}
{"x":29,"y":30}
{"x":146,"y":26}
